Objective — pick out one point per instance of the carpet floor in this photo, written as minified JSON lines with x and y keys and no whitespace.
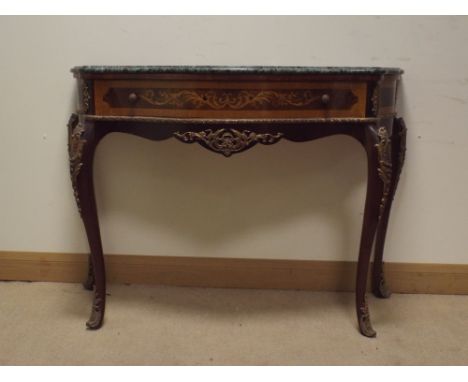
{"x":44,"y":324}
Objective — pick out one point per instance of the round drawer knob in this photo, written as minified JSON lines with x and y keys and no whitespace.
{"x":325,"y":99}
{"x":132,"y":98}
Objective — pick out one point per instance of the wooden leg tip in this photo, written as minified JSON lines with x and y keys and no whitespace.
{"x":382,"y":290}
{"x":365,"y":326}
{"x":95,"y":321}
{"x":88,"y":284}
{"x":368,"y":332}
{"x":97,"y":313}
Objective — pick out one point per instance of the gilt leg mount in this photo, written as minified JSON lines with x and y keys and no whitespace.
{"x":398,"y":149}
{"x":385,"y":171}
{"x":377,"y":145}
{"x":76,"y":144}
{"x":384,"y":166}
{"x":83,"y":139}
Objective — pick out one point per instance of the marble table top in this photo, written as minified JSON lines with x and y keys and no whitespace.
{"x":238,"y":69}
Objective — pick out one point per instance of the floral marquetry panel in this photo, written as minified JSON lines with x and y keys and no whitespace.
{"x":215,"y":99}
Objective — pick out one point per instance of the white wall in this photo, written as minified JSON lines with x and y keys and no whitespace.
{"x":292,"y":201}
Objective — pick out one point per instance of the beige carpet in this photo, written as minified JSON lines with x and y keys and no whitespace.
{"x":44,"y":324}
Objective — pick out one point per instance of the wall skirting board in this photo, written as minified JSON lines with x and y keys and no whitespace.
{"x":232,"y":273}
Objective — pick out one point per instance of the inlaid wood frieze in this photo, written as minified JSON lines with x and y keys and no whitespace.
{"x":231,"y":99}
{"x":228,"y":141}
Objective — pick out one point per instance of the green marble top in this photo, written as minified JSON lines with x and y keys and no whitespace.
{"x":238,"y":69}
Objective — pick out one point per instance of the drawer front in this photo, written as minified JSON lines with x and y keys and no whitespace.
{"x":227,"y":99}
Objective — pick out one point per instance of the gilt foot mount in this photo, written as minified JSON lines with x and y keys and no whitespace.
{"x":97,"y":312}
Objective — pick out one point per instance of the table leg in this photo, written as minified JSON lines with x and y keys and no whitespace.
{"x":89,"y":283}
{"x":378,"y":148}
{"x":398,"y":147}
{"x":83,"y":139}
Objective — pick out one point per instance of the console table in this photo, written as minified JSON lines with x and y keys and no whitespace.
{"x":231,"y":109}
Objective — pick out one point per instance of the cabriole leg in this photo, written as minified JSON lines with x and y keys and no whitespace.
{"x":398,"y":147}
{"x":377,"y":143}
{"x":83,"y":139}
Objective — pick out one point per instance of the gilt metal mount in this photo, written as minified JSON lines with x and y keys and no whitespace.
{"x":228,"y":141}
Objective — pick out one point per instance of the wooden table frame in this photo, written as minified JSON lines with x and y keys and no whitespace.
{"x":224,"y":124}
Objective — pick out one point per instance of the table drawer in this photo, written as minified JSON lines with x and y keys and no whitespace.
{"x":229,"y":99}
